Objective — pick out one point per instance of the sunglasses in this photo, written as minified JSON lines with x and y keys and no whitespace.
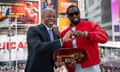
{"x":72,"y":14}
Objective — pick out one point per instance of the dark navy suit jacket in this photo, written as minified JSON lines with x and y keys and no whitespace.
{"x":40,"y":49}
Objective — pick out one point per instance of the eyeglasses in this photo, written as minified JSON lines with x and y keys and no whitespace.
{"x":72,"y":14}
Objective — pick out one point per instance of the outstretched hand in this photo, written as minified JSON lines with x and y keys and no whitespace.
{"x":60,"y":67}
{"x":67,"y":37}
{"x":78,"y":33}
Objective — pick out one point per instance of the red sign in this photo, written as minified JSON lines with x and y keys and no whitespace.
{"x":13,"y":45}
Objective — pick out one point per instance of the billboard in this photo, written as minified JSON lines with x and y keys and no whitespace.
{"x":115,"y":11}
{"x":49,"y":4}
{"x":25,"y":13}
{"x":13,"y":48}
{"x":63,"y":4}
{"x":63,"y":23}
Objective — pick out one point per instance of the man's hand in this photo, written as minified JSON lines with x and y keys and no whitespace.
{"x":80,"y":34}
{"x":72,"y":64}
{"x":67,"y":37}
{"x":60,"y":67}
{"x":59,"y":64}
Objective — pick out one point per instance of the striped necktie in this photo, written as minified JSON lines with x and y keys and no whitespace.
{"x":51,"y":34}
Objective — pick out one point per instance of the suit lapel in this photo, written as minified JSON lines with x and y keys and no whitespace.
{"x":44,"y":31}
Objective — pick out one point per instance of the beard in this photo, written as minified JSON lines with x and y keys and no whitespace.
{"x":75,"y":22}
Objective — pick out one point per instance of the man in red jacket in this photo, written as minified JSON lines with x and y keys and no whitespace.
{"x":86,"y":35}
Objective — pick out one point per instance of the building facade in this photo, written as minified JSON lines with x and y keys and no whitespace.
{"x":107,"y":14}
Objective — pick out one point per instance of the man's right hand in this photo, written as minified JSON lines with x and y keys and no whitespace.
{"x":67,"y":37}
{"x":61,"y":67}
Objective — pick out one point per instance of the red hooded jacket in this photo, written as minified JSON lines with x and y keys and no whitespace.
{"x":96,"y":35}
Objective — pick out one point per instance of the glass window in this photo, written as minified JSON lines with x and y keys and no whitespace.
{"x":116,"y":28}
{"x":117,"y":38}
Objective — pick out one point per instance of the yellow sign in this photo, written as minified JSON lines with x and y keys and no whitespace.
{"x":63,"y":23}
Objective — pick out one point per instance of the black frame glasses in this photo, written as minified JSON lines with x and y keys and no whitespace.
{"x":72,"y":14}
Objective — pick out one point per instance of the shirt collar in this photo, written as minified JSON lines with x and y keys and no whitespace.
{"x":47,"y":27}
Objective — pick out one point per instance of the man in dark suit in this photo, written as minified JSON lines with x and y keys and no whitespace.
{"x":40,"y":45}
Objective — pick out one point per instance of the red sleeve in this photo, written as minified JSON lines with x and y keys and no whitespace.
{"x":98,"y":34}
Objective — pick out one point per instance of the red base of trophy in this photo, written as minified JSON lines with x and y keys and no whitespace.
{"x":69,"y":55}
